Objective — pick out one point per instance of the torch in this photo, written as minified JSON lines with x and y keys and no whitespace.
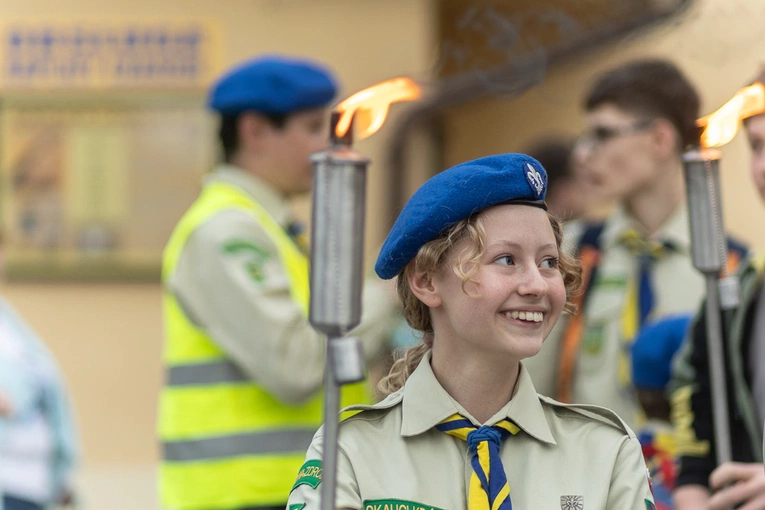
{"x":337,"y":236}
{"x":702,"y":178}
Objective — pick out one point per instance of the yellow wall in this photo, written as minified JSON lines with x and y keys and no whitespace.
{"x":718,"y":44}
{"x":108,"y":337}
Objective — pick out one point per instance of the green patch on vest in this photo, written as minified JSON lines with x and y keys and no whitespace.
{"x":297,"y":506}
{"x":649,"y":505}
{"x":396,"y":504}
{"x":256,"y":256}
{"x":255,"y":270}
{"x":238,"y":246}
{"x":309,"y":474}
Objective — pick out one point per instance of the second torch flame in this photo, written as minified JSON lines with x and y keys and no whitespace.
{"x":722,"y":125}
{"x":372,"y":105}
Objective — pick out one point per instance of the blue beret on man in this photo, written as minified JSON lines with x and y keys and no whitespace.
{"x":653,"y":349}
{"x":273,"y":85}
{"x":455,"y":194}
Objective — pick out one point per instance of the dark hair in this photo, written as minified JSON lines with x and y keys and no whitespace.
{"x":554,"y":154}
{"x":655,"y":88}
{"x":228,"y":134}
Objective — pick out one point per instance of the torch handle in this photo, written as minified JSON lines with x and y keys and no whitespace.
{"x":345,"y":365}
{"x":331,"y":430}
{"x":715,"y":353}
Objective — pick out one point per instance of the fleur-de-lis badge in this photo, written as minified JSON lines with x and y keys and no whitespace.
{"x":535,"y":180}
{"x":572,"y":502}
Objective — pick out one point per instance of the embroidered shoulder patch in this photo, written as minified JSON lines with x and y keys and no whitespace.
{"x":649,"y":505}
{"x":396,"y":504}
{"x":255,"y":256}
{"x":309,"y":474}
{"x":238,"y":246}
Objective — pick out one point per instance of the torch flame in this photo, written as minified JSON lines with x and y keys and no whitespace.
{"x":721,"y":126}
{"x":374,"y":102}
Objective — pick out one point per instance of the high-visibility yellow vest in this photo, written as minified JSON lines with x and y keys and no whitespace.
{"x":226,"y":441}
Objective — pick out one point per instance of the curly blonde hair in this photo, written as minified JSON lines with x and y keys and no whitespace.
{"x":430,"y":258}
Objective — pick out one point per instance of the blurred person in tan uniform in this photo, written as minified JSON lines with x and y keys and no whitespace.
{"x":637,"y":264}
{"x":481,"y":275}
{"x":569,"y":197}
{"x":244,"y":367}
{"x":567,"y":194}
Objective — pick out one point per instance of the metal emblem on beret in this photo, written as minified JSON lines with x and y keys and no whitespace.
{"x":535,"y":180}
{"x":572,"y":502}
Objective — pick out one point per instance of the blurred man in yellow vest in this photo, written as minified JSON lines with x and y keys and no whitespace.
{"x":242,"y":396}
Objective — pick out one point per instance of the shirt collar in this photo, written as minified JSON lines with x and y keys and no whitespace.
{"x":426,"y":404}
{"x":273,"y":202}
{"x":675,"y":230}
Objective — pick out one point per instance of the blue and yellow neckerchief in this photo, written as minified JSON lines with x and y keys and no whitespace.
{"x":640,"y":300}
{"x":489,"y":489}
{"x":647,"y":252}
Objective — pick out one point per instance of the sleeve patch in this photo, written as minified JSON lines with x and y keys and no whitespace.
{"x":239,"y":246}
{"x":297,"y":506}
{"x":255,"y":270}
{"x":309,"y":474}
{"x":254,"y":256}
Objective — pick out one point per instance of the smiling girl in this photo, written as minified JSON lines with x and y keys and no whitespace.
{"x":481,"y":275}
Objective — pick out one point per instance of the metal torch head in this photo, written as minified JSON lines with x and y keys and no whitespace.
{"x":337,"y":239}
{"x":702,"y":180}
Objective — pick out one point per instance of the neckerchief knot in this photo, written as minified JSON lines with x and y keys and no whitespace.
{"x":489,"y":488}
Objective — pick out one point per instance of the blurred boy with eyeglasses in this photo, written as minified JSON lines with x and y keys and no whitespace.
{"x":640,"y":117}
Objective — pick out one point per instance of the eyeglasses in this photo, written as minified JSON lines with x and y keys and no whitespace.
{"x":600,"y":135}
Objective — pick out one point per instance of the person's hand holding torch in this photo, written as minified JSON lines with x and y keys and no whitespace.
{"x":735,"y":483}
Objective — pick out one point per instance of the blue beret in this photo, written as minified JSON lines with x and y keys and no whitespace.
{"x":653,"y":349}
{"x":272,"y":84}
{"x":455,"y":194}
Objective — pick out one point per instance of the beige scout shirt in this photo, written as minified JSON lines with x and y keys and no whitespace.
{"x":242,"y":297}
{"x":562,"y":455}
{"x":678,"y":288}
